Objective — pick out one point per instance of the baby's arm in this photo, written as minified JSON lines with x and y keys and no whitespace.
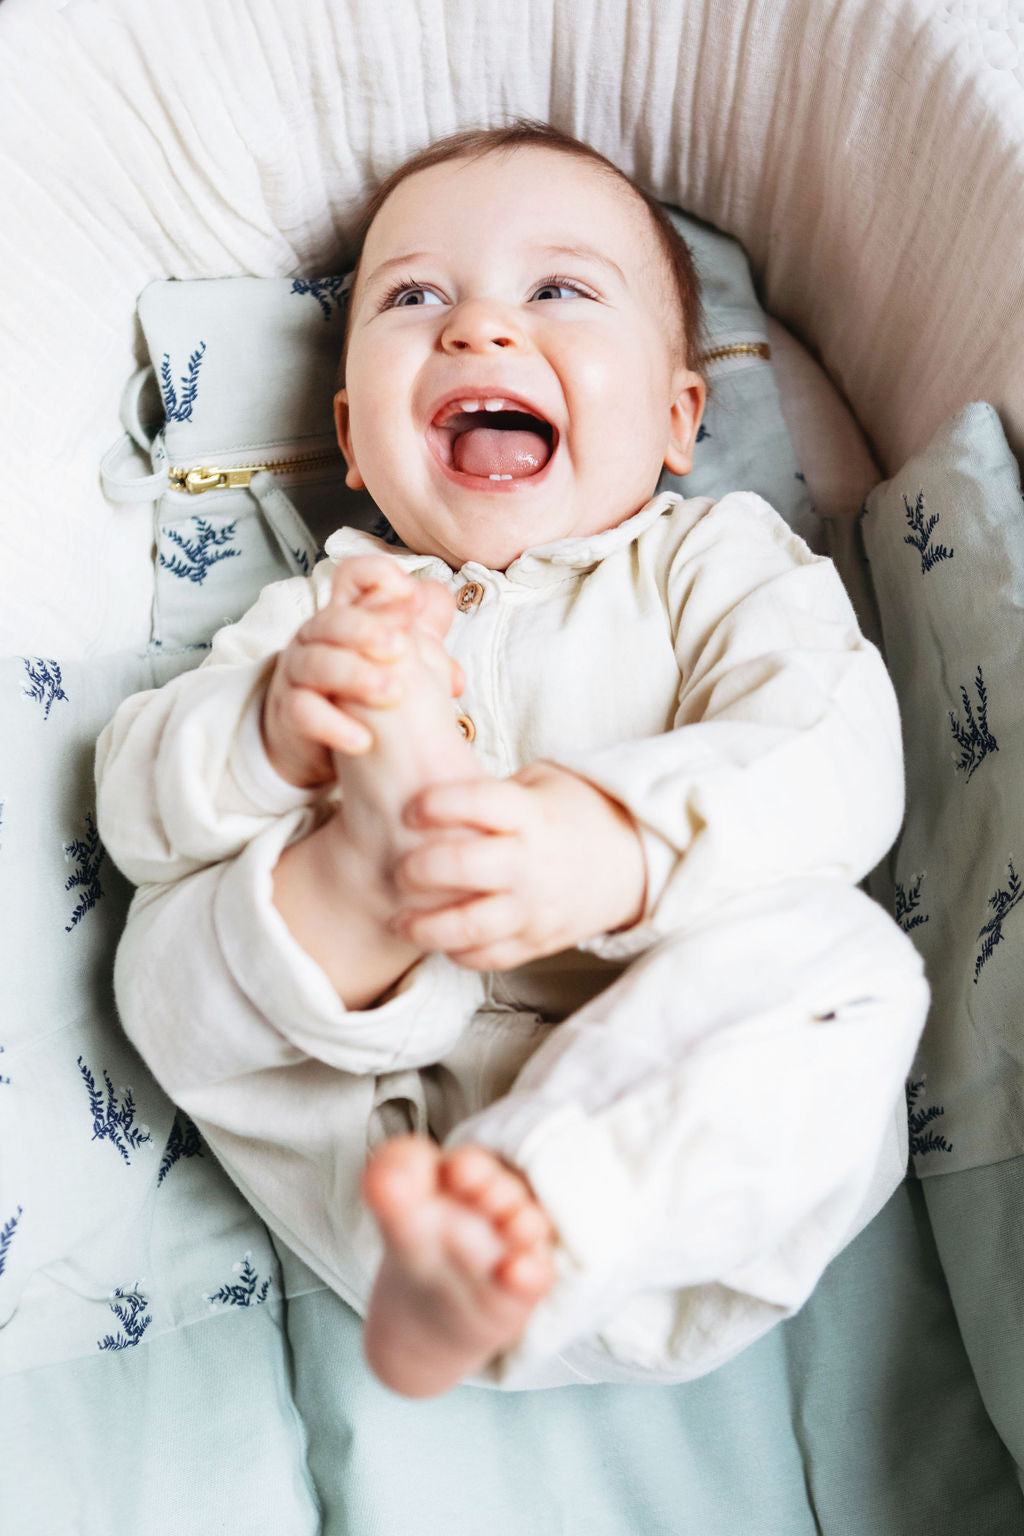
{"x":185,"y":773}
{"x":169,"y":798}
{"x":542,"y":862}
{"x":785,"y":761}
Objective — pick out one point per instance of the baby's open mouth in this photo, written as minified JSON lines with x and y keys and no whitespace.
{"x":493,"y":439}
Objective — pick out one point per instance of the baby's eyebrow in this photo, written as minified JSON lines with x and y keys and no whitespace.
{"x":585,"y":253}
{"x":396,"y":261}
{"x":574,"y":252}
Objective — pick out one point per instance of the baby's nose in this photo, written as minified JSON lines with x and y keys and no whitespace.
{"x":479,"y":325}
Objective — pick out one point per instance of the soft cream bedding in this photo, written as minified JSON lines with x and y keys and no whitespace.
{"x":868,"y":153}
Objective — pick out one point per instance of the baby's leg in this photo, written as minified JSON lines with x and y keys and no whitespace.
{"x":417,"y":742}
{"x":467,"y":1258}
{"x":335,"y":887}
{"x":712,"y":1128}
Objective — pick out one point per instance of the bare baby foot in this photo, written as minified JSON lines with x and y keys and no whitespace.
{"x":467,"y":1258}
{"x":417,"y":742}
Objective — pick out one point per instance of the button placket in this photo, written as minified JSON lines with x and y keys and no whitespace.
{"x":467,"y":599}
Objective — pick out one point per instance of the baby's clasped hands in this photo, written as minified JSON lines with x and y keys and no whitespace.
{"x":492,"y":872}
{"x":543,"y":861}
{"x":343,"y":656}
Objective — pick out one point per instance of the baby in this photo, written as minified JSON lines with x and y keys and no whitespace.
{"x":567,"y":981}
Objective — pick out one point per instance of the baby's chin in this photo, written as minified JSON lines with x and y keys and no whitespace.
{"x":487,"y":536}
{"x":495,"y":531}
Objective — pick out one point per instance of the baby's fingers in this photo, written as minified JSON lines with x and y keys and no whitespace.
{"x":434,"y":606}
{"x":342,"y":674}
{"x":487,"y":805}
{"x":479,"y":934}
{"x":370,"y":579}
{"x":315,"y":718}
{"x":376,"y":633}
{"x":480,"y":863}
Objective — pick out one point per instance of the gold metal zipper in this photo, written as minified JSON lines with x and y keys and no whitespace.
{"x":227,"y":477}
{"x":738,"y":349}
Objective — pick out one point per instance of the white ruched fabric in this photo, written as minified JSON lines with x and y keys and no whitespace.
{"x":869,"y":157}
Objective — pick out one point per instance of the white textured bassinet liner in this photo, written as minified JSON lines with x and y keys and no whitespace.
{"x":868,"y":153}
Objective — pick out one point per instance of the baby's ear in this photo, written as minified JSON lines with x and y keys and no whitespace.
{"x":353,"y":478}
{"x":685,"y":412}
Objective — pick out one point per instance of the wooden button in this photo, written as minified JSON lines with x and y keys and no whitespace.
{"x":466,"y":726}
{"x":469,"y":596}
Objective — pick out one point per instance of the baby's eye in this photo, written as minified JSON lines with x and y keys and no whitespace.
{"x":408,"y":295}
{"x":561,"y":288}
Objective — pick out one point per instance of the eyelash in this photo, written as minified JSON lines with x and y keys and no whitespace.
{"x":554,"y":281}
{"x":403,"y":284}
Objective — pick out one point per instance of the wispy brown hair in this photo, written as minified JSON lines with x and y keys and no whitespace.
{"x":522,"y":132}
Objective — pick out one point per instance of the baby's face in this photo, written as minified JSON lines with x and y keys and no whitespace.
{"x":512,"y":375}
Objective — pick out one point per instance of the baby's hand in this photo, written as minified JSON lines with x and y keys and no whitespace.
{"x":344,"y":656}
{"x":546,"y":862}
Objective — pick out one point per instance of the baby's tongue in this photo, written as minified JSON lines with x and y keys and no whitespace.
{"x":490,"y":451}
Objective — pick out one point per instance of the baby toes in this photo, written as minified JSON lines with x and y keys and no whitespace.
{"x":399,"y":1182}
{"x":479,"y":1178}
{"x":528,"y":1227}
{"x":528,"y":1275}
{"x":472,"y":1244}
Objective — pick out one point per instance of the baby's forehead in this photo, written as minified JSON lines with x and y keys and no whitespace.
{"x":579,"y":196}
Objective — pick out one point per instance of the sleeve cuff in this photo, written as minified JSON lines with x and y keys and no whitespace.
{"x":260,"y":788}
{"x":414,"y":1028}
{"x":660,"y":859}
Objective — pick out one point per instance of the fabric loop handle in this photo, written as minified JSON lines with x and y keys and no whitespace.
{"x":294,"y":538}
{"x":120,"y":486}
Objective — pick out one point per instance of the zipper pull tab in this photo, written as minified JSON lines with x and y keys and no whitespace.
{"x":203,"y":478}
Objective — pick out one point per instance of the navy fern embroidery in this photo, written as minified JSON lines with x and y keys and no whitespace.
{"x":244,"y":1293}
{"x":1002,"y":904}
{"x":920,"y":535}
{"x":113,"y":1115}
{"x":3,"y":1079}
{"x":200,"y":554}
{"x":918,"y":1119}
{"x":907,"y":902}
{"x":179,"y":407}
{"x":702,"y":433}
{"x":45,"y":683}
{"x":128,"y":1305}
{"x":326,"y":291}
{"x":972,"y":735}
{"x":88,"y":854}
{"x":7,"y":1232}
{"x":183,"y":1141}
